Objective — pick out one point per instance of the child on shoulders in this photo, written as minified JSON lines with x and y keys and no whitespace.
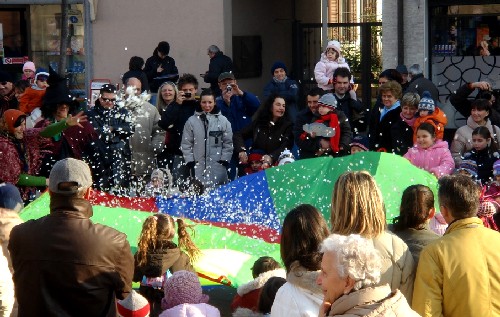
{"x":330,"y":60}
{"x":31,"y":101}
{"x":428,"y":112}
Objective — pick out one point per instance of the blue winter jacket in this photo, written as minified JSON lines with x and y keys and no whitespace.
{"x":240,"y":110}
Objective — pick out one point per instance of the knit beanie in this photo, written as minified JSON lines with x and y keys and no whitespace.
{"x":29,"y":65}
{"x":254,"y":157}
{"x":135,"y":305}
{"x":10,"y":198}
{"x":426,"y":103}
{"x":183,"y":287}
{"x":13,"y":119}
{"x":41,"y":72}
{"x":487,"y":209}
{"x":361,"y":142}
{"x":469,"y":166}
{"x":286,"y":157}
{"x":276,"y":65}
{"x":496,"y":168}
{"x":333,"y":44}
{"x":402,"y":69}
{"x":328,"y":100}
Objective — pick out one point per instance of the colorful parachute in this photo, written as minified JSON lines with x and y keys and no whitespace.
{"x":241,"y":221}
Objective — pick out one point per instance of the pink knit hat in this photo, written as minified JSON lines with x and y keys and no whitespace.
{"x":29,"y":65}
{"x":183,"y":287}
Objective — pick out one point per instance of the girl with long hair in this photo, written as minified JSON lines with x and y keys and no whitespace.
{"x":157,"y":254}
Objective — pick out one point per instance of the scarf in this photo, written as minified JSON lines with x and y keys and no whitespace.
{"x":409,"y":122}
{"x":385,"y":110}
{"x":334,"y":123}
{"x":280,"y":81}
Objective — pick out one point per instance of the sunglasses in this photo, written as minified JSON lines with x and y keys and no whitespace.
{"x":4,"y":83}
{"x":109,"y":99}
{"x":42,"y":79}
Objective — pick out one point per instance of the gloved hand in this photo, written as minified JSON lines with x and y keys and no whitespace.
{"x":223,"y":163}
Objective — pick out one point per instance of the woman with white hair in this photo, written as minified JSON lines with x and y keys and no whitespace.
{"x":350,"y":271}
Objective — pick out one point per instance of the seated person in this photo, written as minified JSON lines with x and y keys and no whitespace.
{"x":270,"y":131}
{"x":334,"y":140}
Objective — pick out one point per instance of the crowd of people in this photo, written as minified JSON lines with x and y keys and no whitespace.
{"x":159,"y":126}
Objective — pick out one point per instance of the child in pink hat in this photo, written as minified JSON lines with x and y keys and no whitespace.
{"x":184,"y":297}
{"x":29,"y":71}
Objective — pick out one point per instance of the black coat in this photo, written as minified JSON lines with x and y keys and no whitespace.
{"x":419,"y":84}
{"x":110,"y":154}
{"x":380,"y":131}
{"x":271,"y":139}
{"x":353,"y":110}
{"x":173,"y":120}
{"x":484,"y":159}
{"x":309,"y":146}
{"x":219,"y":64}
{"x":402,"y":137}
{"x":169,"y":73}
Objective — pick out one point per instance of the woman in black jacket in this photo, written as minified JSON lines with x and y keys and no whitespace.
{"x":271,"y":132}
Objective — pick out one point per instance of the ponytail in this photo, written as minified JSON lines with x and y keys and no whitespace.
{"x":146,"y":239}
{"x":185,"y":242}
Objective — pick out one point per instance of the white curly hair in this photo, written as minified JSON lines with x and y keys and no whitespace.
{"x":356,"y":258}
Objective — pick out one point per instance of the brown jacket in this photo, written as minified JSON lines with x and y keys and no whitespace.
{"x":66,"y":265}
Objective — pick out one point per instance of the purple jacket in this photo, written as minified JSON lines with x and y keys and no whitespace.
{"x":437,"y":159}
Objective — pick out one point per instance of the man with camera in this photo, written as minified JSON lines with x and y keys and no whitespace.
{"x":174,"y":118}
{"x":237,"y":106}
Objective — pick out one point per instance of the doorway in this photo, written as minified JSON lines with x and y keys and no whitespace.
{"x":14,"y":50}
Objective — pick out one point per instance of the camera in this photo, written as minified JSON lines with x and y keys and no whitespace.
{"x":187,"y":95}
{"x":229,"y":87}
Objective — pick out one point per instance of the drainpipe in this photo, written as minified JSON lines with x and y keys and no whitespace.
{"x":324,"y":20}
{"x":401,"y":39}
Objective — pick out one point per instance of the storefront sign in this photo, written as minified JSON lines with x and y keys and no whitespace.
{"x":15,"y":60}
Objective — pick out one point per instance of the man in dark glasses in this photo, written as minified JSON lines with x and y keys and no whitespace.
{"x":110,"y":154}
{"x":8,"y":99}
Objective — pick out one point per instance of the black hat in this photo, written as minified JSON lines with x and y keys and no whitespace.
{"x":5,"y":76}
{"x":108,"y":88}
{"x":57,"y":93}
{"x":163,"y":47}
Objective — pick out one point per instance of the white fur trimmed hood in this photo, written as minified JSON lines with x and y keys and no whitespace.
{"x":259,"y":281}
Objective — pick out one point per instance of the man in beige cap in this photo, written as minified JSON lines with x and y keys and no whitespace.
{"x":64,"y":264}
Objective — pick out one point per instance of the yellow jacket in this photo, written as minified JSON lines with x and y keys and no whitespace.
{"x":459,"y":274}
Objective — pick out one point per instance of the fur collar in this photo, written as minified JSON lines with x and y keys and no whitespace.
{"x":301,"y":277}
{"x":259,"y":281}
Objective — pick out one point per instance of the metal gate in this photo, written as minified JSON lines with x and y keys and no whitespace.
{"x":361,"y":46}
